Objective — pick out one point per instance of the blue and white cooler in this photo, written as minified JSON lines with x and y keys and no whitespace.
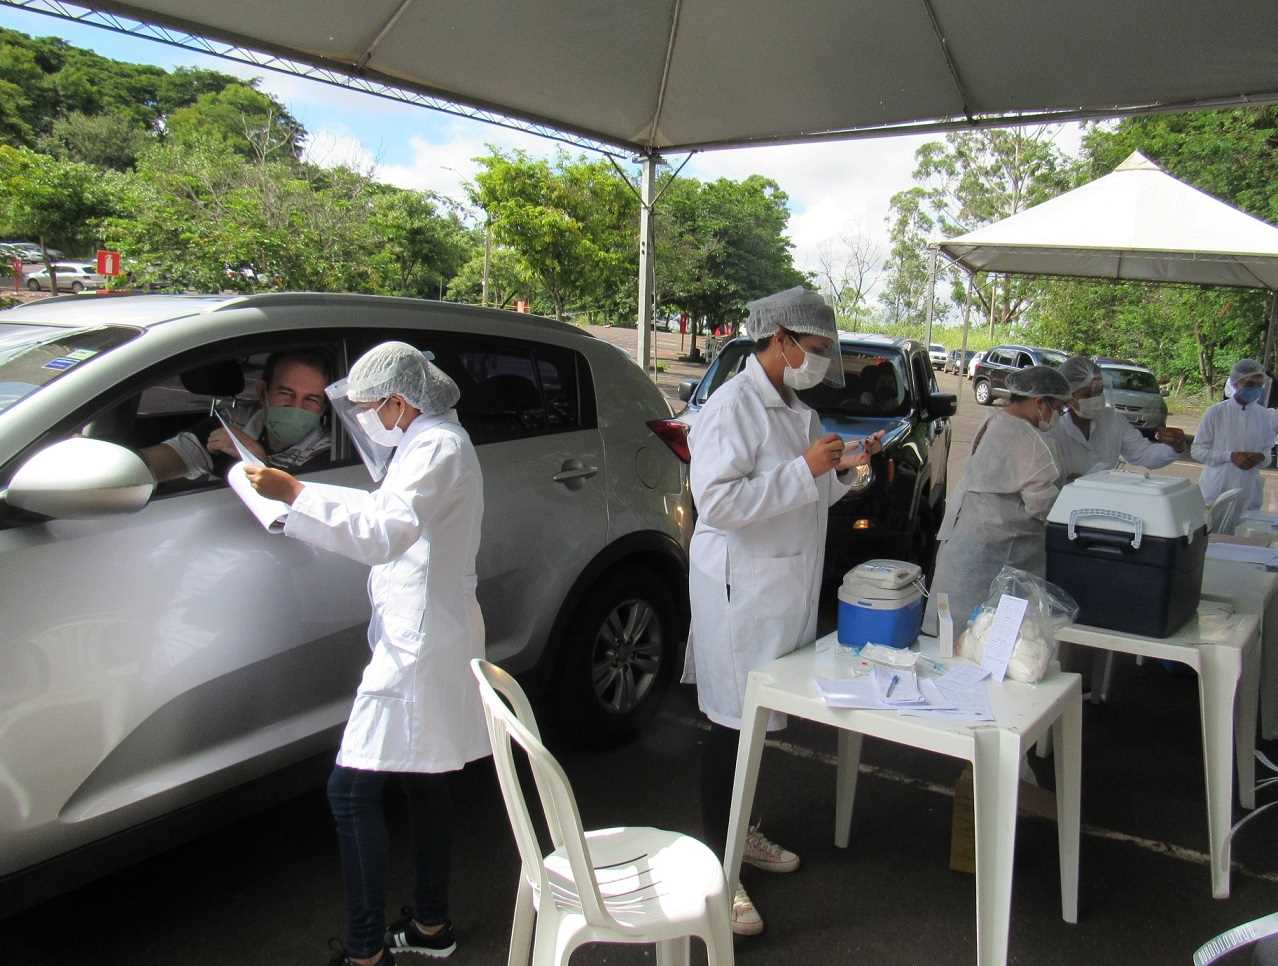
{"x":881,"y":602}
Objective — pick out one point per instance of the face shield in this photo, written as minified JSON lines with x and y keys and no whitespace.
{"x":375,"y":456}
{"x":827,"y":357}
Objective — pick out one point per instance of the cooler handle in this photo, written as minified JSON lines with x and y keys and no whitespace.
{"x":1137,"y":524}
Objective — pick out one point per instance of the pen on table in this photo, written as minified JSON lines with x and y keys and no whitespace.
{"x":891,"y":685}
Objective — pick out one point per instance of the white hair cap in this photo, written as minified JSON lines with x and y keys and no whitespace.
{"x":1080,"y":372}
{"x":1244,"y":368}
{"x":797,"y":309}
{"x":398,"y":368}
{"x":1039,"y":382}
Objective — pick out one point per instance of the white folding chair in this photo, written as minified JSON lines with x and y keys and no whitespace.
{"x":620,"y":885}
{"x":1222,"y":514}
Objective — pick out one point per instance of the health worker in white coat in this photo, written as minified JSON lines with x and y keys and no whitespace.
{"x":997,"y":517}
{"x":417,"y":712}
{"x":1091,"y":436}
{"x":1235,"y":438}
{"x":763,"y":477}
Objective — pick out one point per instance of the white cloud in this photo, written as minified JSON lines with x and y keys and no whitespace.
{"x":331,"y":148}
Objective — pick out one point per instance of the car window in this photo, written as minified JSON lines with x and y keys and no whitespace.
{"x":875,"y":385}
{"x":172,"y":405}
{"x":510,"y":388}
{"x":1024,"y":360}
{"x":1130,"y":380}
{"x":1053,"y":359}
{"x":997,"y":357}
{"x":924,"y":377}
{"x":730,"y":361}
{"x":33,"y":356}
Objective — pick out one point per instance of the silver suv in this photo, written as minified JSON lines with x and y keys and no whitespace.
{"x":1133,"y":391}
{"x":153,"y":658}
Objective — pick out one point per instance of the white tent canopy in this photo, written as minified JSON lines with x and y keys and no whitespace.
{"x":1137,"y":223}
{"x":673,"y":75}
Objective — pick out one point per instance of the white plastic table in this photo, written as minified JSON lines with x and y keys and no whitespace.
{"x":1254,"y":590}
{"x":1225,"y":652}
{"x":1023,"y":713}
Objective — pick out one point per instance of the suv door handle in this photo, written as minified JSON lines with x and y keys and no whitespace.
{"x":573,"y":472}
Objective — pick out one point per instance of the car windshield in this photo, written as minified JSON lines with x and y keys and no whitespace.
{"x":876,"y":385}
{"x":1130,"y":380}
{"x":1052,"y":358}
{"x":32,"y":356}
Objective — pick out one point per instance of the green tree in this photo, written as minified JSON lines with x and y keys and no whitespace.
{"x":252,"y":124}
{"x":51,"y":201}
{"x":565,"y":219}
{"x":508,"y":280}
{"x":106,"y":140}
{"x":970,"y":179}
{"x":721,"y":244}
{"x":418,"y":249}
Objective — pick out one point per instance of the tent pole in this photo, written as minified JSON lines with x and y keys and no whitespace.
{"x":643,"y":352}
{"x":993,"y":280}
{"x":967,"y":318}
{"x":931,"y":296}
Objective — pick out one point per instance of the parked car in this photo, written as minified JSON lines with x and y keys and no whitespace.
{"x":160,"y":649}
{"x":975,"y":361}
{"x":957,"y":365}
{"x":1133,"y":391}
{"x":937,"y":353}
{"x":990,"y":378}
{"x":898,"y":500}
{"x":72,"y":277}
{"x":28,"y":251}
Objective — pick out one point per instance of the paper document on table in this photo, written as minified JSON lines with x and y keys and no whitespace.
{"x":246,"y":455}
{"x":1000,"y":639}
{"x":961,"y":703}
{"x":272,"y":514}
{"x":897,"y":687}
{"x":964,"y":675}
{"x":1242,"y":553}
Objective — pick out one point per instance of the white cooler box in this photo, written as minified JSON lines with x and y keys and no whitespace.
{"x":1130,"y":549}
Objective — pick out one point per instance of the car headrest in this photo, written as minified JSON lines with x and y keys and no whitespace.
{"x":504,"y":394}
{"x":224,"y":378}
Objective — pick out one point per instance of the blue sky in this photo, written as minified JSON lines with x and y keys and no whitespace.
{"x":838,"y":189}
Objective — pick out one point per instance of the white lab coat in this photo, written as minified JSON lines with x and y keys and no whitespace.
{"x":1112,"y":436}
{"x":417,"y":708}
{"x":754,"y":573}
{"x":1228,"y":427}
{"x":997,"y":517}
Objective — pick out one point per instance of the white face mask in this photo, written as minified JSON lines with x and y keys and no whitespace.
{"x":809,"y":374}
{"x":373,"y":428}
{"x":1091,"y":407}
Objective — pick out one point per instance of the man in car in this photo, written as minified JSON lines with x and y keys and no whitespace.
{"x":286,"y":431}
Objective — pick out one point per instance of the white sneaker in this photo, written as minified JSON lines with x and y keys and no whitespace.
{"x":746,"y":920}
{"x":765,"y":854}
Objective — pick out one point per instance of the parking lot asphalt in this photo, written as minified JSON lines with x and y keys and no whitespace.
{"x":265,"y":889}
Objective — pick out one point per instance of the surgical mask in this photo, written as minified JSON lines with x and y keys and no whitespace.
{"x":1091,"y":407}
{"x":809,"y":374}
{"x":1047,"y":425}
{"x":287,"y":426}
{"x":1248,"y":394}
{"x":373,"y":428}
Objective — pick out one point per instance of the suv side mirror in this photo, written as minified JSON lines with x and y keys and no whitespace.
{"x":686,"y":389}
{"x":941,"y":405}
{"x":81,"y":478}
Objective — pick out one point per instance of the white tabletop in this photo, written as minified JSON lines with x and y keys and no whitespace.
{"x":1210,"y":626}
{"x":790,"y":686}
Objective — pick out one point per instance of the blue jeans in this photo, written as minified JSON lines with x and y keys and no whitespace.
{"x":355,"y":799}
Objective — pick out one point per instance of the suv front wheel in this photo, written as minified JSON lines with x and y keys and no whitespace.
{"x":619,"y":656}
{"x":982,"y":391}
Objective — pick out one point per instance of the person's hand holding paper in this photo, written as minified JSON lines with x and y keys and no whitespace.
{"x":273,"y":484}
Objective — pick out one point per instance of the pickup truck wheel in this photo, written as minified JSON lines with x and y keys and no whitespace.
{"x":982,"y":392}
{"x":619,"y":654}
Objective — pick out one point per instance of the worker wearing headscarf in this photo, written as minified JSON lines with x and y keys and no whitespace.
{"x":1091,"y":436}
{"x":1235,"y":438}
{"x":997,"y":517}
{"x":763,"y":476}
{"x":417,"y":711}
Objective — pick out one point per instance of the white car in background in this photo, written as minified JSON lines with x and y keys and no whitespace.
{"x":975,"y":361}
{"x":72,"y":277}
{"x":160,"y":649}
{"x":937,"y":353}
